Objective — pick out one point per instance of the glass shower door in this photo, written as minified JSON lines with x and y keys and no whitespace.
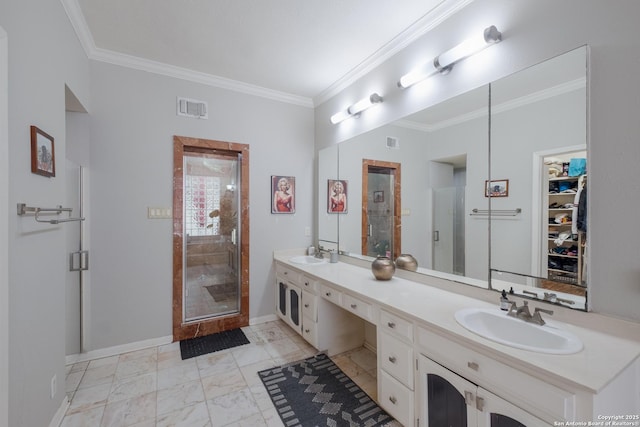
{"x":211,"y":222}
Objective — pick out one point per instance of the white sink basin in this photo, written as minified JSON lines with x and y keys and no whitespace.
{"x":494,"y":324}
{"x":307,"y":259}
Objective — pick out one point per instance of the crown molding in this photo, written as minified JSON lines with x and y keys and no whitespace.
{"x":532,"y":98}
{"x":422,"y":26}
{"x":72,"y":8}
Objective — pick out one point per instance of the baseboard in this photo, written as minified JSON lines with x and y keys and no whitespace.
{"x":141,"y":345}
{"x":370,"y":347}
{"x":118,"y":349}
{"x":59,"y":415}
{"x":263,"y":319}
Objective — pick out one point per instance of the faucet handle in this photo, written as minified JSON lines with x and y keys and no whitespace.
{"x":538,"y":310}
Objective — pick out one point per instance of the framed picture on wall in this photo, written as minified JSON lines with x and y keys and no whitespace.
{"x":337,"y":196}
{"x":497,"y":188}
{"x":283,"y":194}
{"x":43,"y":160}
{"x":378,"y":196}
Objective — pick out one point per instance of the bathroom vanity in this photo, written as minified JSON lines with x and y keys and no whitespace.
{"x":425,"y":356}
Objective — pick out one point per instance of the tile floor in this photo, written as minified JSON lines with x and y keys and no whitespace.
{"x":154,"y":387}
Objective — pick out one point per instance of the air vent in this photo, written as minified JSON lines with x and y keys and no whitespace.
{"x":392,"y":142}
{"x":192,"y":108}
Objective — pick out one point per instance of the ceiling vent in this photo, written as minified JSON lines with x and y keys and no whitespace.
{"x":392,"y":142}
{"x":192,"y":108}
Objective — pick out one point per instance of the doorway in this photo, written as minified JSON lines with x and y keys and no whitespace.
{"x":381,"y":208}
{"x":210,"y":237}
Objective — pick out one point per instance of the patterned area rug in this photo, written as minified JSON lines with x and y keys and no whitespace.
{"x":315,"y":392}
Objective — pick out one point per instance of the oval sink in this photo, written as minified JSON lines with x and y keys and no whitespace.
{"x":307,"y":259}
{"x":494,"y":324}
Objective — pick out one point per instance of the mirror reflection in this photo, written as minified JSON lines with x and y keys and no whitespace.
{"x":538,"y":125}
{"x":408,"y":191}
{"x":538,"y":146}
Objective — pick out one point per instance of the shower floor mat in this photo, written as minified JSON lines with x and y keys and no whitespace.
{"x":194,"y":347}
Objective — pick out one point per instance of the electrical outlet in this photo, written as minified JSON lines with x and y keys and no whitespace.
{"x":307,"y":231}
{"x":54,"y":385}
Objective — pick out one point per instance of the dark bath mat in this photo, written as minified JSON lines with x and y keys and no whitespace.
{"x":208,"y":344}
{"x":315,"y":392}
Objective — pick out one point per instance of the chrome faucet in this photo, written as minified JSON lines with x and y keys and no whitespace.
{"x":523,"y":313}
{"x":320,"y":251}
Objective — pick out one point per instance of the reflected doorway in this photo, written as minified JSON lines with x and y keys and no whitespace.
{"x":381,"y":208}
{"x":210,"y":237}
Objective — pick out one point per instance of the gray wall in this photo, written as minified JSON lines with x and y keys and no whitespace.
{"x":133,"y":123}
{"x":534,"y":31}
{"x":44,"y":55}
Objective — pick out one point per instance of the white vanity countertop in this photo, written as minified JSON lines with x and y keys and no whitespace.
{"x":600,"y":361}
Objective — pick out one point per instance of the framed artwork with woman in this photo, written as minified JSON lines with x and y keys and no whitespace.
{"x":337,"y":196}
{"x":283,"y":194}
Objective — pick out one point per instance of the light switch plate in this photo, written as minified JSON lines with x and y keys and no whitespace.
{"x":158,"y":213}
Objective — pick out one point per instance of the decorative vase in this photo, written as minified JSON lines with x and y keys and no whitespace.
{"x":383,"y":268}
{"x":407,"y":262}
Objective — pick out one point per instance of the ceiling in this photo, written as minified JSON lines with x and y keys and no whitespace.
{"x":298,"y":51}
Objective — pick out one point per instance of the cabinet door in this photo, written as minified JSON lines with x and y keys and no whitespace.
{"x":294,"y":300}
{"x":444,"y":398}
{"x":494,"y":411}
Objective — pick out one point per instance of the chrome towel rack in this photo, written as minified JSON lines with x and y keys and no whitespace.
{"x":23,"y":209}
{"x":496,"y":212}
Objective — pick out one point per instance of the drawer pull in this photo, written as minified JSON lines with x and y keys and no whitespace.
{"x":328,"y":294}
{"x":473,"y":365}
{"x":354,"y":306}
{"x":392,"y":399}
{"x":392,"y":359}
{"x":306,"y":331}
{"x":391,"y":325}
{"x":306,"y":306}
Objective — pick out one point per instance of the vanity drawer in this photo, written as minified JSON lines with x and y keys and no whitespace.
{"x":396,"y":358}
{"x":545,"y":401}
{"x":308,"y":284}
{"x":287,"y":273}
{"x":396,"y":325}
{"x":309,"y":306}
{"x":310,"y":331}
{"x":396,"y":399}
{"x":357,"y":307}
{"x":330,"y":294}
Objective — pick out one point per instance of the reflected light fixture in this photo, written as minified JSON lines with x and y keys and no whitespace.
{"x":355,"y":109}
{"x":444,"y":62}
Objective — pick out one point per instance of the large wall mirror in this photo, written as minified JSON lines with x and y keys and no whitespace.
{"x":447,"y":190}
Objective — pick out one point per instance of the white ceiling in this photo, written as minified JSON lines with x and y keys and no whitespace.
{"x":303,"y":50}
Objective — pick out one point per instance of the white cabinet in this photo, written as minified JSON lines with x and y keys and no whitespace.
{"x":396,"y":366}
{"x":535,"y":396}
{"x":445,"y":398}
{"x":313,"y":309}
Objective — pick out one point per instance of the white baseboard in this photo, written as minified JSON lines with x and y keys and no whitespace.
{"x":141,"y":345}
{"x":59,"y":415}
{"x":118,"y":349}
{"x":263,"y":319}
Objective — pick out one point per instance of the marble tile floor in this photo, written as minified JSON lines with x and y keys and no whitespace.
{"x":155,"y":388}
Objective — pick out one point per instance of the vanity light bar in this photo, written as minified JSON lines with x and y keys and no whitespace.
{"x":444,"y":62}
{"x":356,"y":108}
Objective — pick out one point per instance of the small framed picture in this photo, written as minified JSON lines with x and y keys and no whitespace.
{"x":336,"y":196}
{"x":496,"y":188}
{"x":43,"y":159}
{"x":378,"y":196}
{"x":283,"y":194}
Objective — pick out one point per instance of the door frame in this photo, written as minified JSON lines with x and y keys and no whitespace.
{"x":4,"y":230}
{"x":184,"y":330}
{"x":397,"y":203}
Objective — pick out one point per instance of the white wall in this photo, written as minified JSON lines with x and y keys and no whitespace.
{"x":533,"y":31}
{"x":133,"y":122}
{"x":44,"y":55}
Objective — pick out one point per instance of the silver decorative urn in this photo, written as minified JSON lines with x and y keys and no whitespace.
{"x":407,"y":262}
{"x":383,"y":268}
